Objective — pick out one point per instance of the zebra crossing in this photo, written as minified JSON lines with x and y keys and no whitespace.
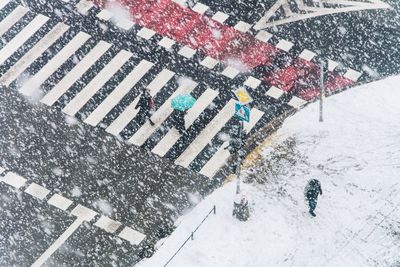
{"x":99,"y":81}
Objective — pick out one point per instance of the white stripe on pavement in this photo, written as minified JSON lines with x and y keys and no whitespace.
{"x":162,"y":78}
{"x":58,"y":243}
{"x":22,"y":37}
{"x":96,"y":83}
{"x":118,"y":93}
{"x":206,"y":134}
{"x":220,"y":157}
{"x":216,"y":161}
{"x":130,"y":112}
{"x":109,"y":225}
{"x":159,"y":116}
{"x":83,"y":6}
{"x":51,"y":97}
{"x":51,"y":66}
{"x":14,"y":180}
{"x":3,"y":3}
{"x":131,"y":235}
{"x":172,"y":136}
{"x":12,"y":18}
{"x":37,"y":191}
{"x":35,"y":52}
{"x":255,"y":116}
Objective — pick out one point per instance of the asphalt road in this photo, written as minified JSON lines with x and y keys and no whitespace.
{"x":137,"y":189}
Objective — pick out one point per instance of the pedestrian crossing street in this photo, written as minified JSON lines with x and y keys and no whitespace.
{"x":98,"y":77}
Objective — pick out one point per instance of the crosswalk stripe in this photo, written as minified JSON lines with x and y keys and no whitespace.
{"x":33,"y":53}
{"x":130,"y":112}
{"x":119,"y":93}
{"x":22,"y":37}
{"x":83,"y":6}
{"x":44,"y":73}
{"x":162,"y":78}
{"x":96,"y":83}
{"x":220,"y":157}
{"x":255,"y":116}
{"x":216,"y":161}
{"x":3,"y":3}
{"x":159,"y":116}
{"x":51,"y":97}
{"x":12,"y":18}
{"x":206,"y":134}
{"x":172,"y":136}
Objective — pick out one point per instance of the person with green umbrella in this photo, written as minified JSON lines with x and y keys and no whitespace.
{"x":181,"y":104}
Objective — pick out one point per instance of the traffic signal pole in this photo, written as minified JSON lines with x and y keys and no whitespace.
{"x":239,"y":158}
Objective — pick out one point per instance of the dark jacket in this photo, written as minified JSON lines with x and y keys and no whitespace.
{"x":313,"y":189}
{"x":144,"y":101}
{"x":179,"y":119}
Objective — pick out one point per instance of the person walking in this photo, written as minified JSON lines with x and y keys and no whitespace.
{"x":311,"y":192}
{"x":179,"y":120}
{"x":146,"y":105}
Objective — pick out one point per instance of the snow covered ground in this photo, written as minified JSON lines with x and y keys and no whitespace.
{"x":355,"y":153}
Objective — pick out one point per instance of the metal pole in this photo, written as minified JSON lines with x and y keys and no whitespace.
{"x":321,"y":93}
{"x":239,"y":159}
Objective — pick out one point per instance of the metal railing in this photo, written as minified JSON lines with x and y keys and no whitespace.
{"x":191,"y":236}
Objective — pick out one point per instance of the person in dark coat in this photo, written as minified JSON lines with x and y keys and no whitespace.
{"x":146,"y":104}
{"x":311,"y":192}
{"x":179,"y":120}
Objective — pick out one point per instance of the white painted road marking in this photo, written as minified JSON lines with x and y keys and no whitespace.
{"x":222,"y":155}
{"x":51,"y":66}
{"x":209,"y":62}
{"x":3,"y":3}
{"x":118,"y":93}
{"x":12,"y":18}
{"x":107,"y":224}
{"x":58,"y":243}
{"x":130,"y":112}
{"x":216,"y":161}
{"x":159,"y":116}
{"x":206,"y":134}
{"x":131,"y":235}
{"x":51,"y":97}
{"x":252,"y":82}
{"x":12,"y":46}
{"x":36,"y":51}
{"x":83,"y":213}
{"x":37,"y":191}
{"x":14,"y":180}
{"x":172,"y":136}
{"x":60,"y":202}
{"x":96,"y":83}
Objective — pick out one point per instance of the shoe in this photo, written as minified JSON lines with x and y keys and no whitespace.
{"x":312,"y":213}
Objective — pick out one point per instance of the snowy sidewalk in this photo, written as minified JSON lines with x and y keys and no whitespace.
{"x":355,"y":153}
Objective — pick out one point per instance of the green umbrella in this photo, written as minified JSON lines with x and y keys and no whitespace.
{"x":183,"y":102}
